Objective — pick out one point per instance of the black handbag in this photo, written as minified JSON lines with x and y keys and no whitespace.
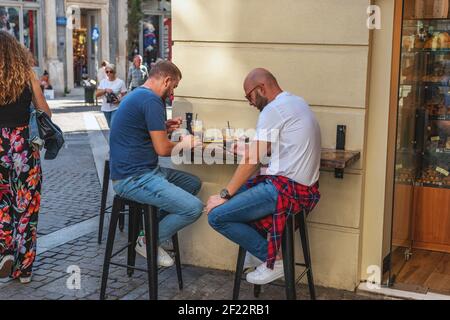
{"x":51,"y":134}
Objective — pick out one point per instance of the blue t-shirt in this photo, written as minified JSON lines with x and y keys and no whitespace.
{"x":131,"y":148}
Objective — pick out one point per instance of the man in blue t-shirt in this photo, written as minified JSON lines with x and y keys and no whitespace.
{"x":139,"y":134}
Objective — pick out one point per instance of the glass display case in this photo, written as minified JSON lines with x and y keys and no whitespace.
{"x":421,"y":206}
{"x":423,"y":143}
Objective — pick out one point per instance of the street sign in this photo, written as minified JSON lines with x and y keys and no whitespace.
{"x":95,"y":33}
{"x":61,"y":21}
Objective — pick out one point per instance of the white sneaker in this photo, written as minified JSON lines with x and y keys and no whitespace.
{"x":6,"y":264}
{"x":140,"y":247}
{"x":264,"y":275}
{"x":251,"y":261}
{"x":164,"y":259}
{"x":25,"y":280}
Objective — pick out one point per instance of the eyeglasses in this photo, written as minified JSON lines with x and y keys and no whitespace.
{"x":109,"y":71}
{"x":247,"y":96}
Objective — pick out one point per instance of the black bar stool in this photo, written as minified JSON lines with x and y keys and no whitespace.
{"x":136,"y":212}
{"x":103,"y":208}
{"x":288,"y":260}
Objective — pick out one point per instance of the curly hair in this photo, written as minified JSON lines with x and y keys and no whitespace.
{"x":16,"y":68}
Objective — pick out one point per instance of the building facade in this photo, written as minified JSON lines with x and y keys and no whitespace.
{"x":68,"y":38}
{"x":318,"y":50}
{"x":327,"y":52}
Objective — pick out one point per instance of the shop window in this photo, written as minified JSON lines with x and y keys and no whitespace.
{"x":151,"y":39}
{"x":80,"y":54}
{"x":23,"y":23}
{"x":30,"y":32}
{"x":9,"y":21}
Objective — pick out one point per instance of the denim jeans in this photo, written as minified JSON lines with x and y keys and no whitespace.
{"x":109,"y":116}
{"x":172,"y":191}
{"x":34,"y":131}
{"x":232,"y":218}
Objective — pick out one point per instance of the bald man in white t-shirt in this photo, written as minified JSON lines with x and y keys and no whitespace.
{"x":289,"y":133}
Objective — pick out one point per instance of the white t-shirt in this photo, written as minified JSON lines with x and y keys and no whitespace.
{"x":117,"y":86}
{"x":291,"y":127}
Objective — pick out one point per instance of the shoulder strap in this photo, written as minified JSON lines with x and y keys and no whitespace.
{"x":33,"y":95}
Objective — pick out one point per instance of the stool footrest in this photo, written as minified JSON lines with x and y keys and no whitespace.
{"x":120,"y":250}
{"x":134,"y":268}
{"x":301,"y":276}
{"x":127,"y":266}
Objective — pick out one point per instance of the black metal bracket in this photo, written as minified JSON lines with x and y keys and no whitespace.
{"x":189,"y":118}
{"x":340,"y":145}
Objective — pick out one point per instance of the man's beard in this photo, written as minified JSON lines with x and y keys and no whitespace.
{"x":260,"y":102}
{"x":165,"y":95}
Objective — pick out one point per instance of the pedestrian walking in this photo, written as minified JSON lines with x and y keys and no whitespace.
{"x":20,"y":166}
{"x":112,"y":89}
{"x":137,"y":74}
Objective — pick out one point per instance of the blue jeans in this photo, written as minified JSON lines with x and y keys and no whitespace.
{"x":232,"y":218}
{"x":109,"y":116}
{"x":170,"y":190}
{"x":34,"y":131}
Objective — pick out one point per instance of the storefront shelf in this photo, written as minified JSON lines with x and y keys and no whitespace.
{"x":338,"y":159}
{"x":433,"y":185}
{"x":330,"y":158}
{"x":426,"y":19}
{"x":422,"y":184}
{"x":408,"y":182}
{"x":440,"y":118}
{"x":419,"y":83}
{"x":437,"y":153}
{"x":419,"y":50}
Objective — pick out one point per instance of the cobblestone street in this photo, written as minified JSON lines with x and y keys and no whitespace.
{"x":70,"y":186}
{"x":68,"y":234}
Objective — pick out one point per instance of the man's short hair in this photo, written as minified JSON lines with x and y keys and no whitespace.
{"x":165,"y":69}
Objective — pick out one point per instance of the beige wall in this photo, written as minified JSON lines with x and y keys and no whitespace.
{"x":318,"y":49}
{"x":377,"y":213}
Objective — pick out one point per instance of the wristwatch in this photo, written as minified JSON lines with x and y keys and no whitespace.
{"x":225,"y":194}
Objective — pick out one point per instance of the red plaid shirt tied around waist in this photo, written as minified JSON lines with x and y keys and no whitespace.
{"x":292,"y":199}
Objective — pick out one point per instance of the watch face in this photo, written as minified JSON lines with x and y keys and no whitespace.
{"x":224,"y":193}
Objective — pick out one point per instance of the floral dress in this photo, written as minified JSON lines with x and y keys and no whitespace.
{"x":20,"y":196}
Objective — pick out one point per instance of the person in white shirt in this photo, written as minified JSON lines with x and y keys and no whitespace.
{"x":112,"y":89}
{"x":287,"y":132}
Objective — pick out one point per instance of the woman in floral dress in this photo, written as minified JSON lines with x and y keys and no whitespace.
{"x":20,"y":167}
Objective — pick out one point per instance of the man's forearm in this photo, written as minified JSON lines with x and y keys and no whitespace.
{"x":100,"y":92}
{"x":168,"y":149}
{"x":241,"y":175}
{"x":249,"y":164}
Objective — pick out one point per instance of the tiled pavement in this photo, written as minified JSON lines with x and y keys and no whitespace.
{"x":51,"y":277}
{"x":71,"y":194}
